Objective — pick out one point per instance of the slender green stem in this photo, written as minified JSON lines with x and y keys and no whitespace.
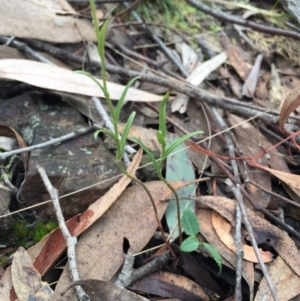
{"x":133,"y":178}
{"x":177,"y":204}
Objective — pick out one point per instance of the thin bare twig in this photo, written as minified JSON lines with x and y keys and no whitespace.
{"x":228,"y":18}
{"x":47,"y":143}
{"x":230,"y":104}
{"x":70,"y":240}
{"x":238,"y":220}
{"x":162,"y":45}
{"x":24,"y":48}
{"x":129,"y":275}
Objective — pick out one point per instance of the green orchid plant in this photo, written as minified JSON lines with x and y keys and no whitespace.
{"x":120,"y":141}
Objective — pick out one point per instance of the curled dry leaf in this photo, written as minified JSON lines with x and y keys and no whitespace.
{"x":290,"y":179}
{"x":102,"y":290}
{"x":223,"y":229}
{"x":26,"y":279}
{"x":170,"y":285}
{"x":229,"y":258}
{"x":290,"y":104}
{"x":56,"y":78}
{"x":273,"y":236}
{"x":285,"y":280}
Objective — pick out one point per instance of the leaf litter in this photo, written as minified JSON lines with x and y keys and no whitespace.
{"x":230,"y":62}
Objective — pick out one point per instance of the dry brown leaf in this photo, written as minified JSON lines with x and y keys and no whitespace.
{"x":44,"y":20}
{"x":235,"y":58}
{"x":207,"y":230}
{"x":130,"y":217}
{"x":26,"y":279}
{"x":290,"y":104}
{"x":108,"y":291}
{"x":290,"y":179}
{"x":275,"y":237}
{"x":285,"y":281}
{"x":56,"y":78}
{"x":170,"y":285}
{"x":223,"y":229}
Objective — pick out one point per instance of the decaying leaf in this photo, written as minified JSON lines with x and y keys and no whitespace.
{"x":223,"y":229}
{"x":290,"y":104}
{"x":26,"y":279}
{"x":275,"y":237}
{"x":285,"y":281}
{"x":101,"y":290}
{"x":170,"y":285}
{"x":207,"y":230}
{"x":45,"y":20}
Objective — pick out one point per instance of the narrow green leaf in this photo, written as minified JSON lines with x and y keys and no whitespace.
{"x":179,"y":141}
{"x":214,"y":253}
{"x":96,"y":134}
{"x":101,"y":50}
{"x":125,"y":134}
{"x":104,"y":90}
{"x":122,"y":98}
{"x":190,"y":244}
{"x":148,"y":152}
{"x":189,"y":222}
{"x":161,"y":140}
{"x":91,"y":77}
{"x":162,"y":115}
{"x":106,"y":132}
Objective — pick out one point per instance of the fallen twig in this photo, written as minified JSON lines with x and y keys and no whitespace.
{"x":47,"y":143}
{"x":228,"y":18}
{"x":70,"y":240}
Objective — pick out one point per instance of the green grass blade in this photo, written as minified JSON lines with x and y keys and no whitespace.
{"x":125,"y":135}
{"x":162,"y":115}
{"x":106,"y":132}
{"x":161,"y":140}
{"x":101,"y":50}
{"x":148,"y":152}
{"x":179,"y":141}
{"x":122,"y":98}
{"x":104,"y":90}
{"x":189,"y":222}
